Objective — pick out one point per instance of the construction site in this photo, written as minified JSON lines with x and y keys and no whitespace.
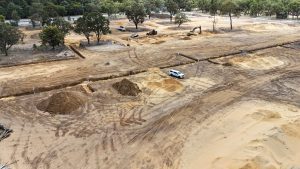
{"x":114,"y":105}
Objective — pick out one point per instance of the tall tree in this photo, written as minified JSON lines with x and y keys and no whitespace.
{"x":181,"y":18}
{"x":98,"y":24}
{"x":15,"y":17}
{"x":214,"y":6}
{"x":294,"y":8}
{"x":136,"y":12}
{"x":9,"y":36}
{"x":172,"y":8}
{"x":230,"y":7}
{"x":63,"y":25}
{"x":82,"y":27}
{"x":152,"y":5}
{"x":52,"y":35}
{"x":109,"y":7}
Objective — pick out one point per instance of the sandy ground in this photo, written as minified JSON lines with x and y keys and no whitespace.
{"x":237,"y":112}
{"x":248,"y":134}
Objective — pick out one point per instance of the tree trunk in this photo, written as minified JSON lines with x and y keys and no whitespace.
{"x":88,"y":40}
{"x":136,"y":25}
{"x":98,"y":37}
{"x":230,"y":21}
{"x":6,"y":53}
{"x":214,"y":24}
{"x":171,"y":18}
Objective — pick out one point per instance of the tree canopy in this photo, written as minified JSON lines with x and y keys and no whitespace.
{"x":136,"y":12}
{"x":9,"y":36}
{"x":98,"y":24}
{"x":52,"y":35}
{"x":45,"y":9}
{"x":181,"y":18}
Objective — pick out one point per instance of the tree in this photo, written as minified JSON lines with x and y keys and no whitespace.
{"x":256,"y":7}
{"x":203,"y":5}
{"x":214,"y":6}
{"x":294,"y":8}
{"x":15,"y":17}
{"x":2,"y":18}
{"x":62,"y":25}
{"x":152,"y":5}
{"x":82,"y":27}
{"x":9,"y":36}
{"x":181,"y":18}
{"x":109,"y":7}
{"x":281,"y":10}
{"x":52,"y":35}
{"x":172,"y":8}
{"x":98,"y":24}
{"x":136,"y":12}
{"x":34,"y":18}
{"x":230,"y":7}
{"x":38,"y":13}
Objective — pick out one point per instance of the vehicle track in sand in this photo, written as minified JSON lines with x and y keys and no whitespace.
{"x":135,"y":59}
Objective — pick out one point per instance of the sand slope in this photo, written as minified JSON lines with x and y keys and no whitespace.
{"x":247,"y":135}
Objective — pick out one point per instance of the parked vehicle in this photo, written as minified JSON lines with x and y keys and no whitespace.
{"x":135,"y":35}
{"x":176,"y":73}
{"x":121,"y":28}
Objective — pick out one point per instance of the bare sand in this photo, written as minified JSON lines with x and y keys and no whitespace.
{"x":247,"y":135}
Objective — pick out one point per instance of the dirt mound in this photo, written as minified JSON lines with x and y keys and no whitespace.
{"x":62,"y":103}
{"x":127,"y":88}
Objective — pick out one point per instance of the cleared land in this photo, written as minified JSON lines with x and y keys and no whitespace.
{"x":238,"y":107}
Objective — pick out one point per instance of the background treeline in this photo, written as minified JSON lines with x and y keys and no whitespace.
{"x":42,"y":9}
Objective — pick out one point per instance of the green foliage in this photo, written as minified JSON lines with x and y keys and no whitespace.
{"x":152,"y":5}
{"x":181,"y":18}
{"x":294,"y":8}
{"x":203,"y":5}
{"x":230,"y":7}
{"x":136,"y":12}
{"x":52,"y":35}
{"x":9,"y":36}
{"x":62,"y":25}
{"x":15,"y":17}
{"x":2,"y":18}
{"x":172,"y":8}
{"x":109,"y":6}
{"x":98,"y":24}
{"x":43,"y":10}
{"x":82,"y":27}
{"x":214,"y":7}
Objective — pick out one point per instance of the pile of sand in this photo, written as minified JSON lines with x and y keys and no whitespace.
{"x":62,"y":103}
{"x":127,"y":88}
